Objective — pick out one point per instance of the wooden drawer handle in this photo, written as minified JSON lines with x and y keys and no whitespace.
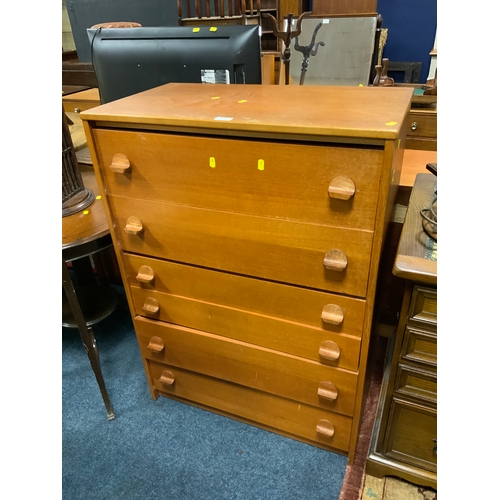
{"x":329,"y":350}
{"x":342,"y":188}
{"x":120,"y":164}
{"x":134,"y":226}
{"x":145,"y":275}
{"x":333,"y":314}
{"x":167,"y":377}
{"x":156,"y":344}
{"x":151,"y":306}
{"x":335,"y":260}
{"x":326,"y":428}
{"x":327,"y":390}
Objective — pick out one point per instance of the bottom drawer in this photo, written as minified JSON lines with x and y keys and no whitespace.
{"x":303,"y":422}
{"x":412,"y":435}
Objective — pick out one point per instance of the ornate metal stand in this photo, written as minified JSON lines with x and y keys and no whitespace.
{"x":287,"y":36}
{"x":309,"y":50}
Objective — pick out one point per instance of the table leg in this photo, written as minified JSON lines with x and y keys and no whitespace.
{"x":87,"y":336}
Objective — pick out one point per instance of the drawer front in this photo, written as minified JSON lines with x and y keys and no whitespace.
{"x":290,"y":303}
{"x":284,"y":336}
{"x":423,"y":305}
{"x":422,"y":125}
{"x":421,"y":384}
{"x":412,"y":437}
{"x":315,"y":425}
{"x":283,"y":251}
{"x":420,"y":346}
{"x":263,"y":369}
{"x":287,"y":181}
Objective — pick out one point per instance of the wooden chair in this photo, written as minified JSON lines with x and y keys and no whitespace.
{"x":218,"y":12}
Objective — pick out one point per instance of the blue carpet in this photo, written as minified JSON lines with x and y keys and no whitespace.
{"x":168,"y":450}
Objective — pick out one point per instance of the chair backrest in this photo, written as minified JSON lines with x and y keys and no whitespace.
{"x":215,"y":12}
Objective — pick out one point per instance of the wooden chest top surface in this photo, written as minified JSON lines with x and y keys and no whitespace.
{"x":352,"y":112}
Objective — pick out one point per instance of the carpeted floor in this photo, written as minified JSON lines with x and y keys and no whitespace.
{"x":167,"y":450}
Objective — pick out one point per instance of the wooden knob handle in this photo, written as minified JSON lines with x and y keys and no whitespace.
{"x":327,"y":390}
{"x":151,"y":306}
{"x":342,"y":188}
{"x":329,"y":350}
{"x":156,"y":344}
{"x":145,"y":275}
{"x":333,"y":314}
{"x":167,"y":377}
{"x":134,"y":226}
{"x":325,"y":428}
{"x":335,"y":260}
{"x":120,"y":164}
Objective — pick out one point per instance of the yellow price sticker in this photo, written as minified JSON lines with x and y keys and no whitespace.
{"x":196,"y":30}
{"x":213,"y":28}
{"x":212,"y":162}
{"x":260,"y":164}
{"x":391,"y":123}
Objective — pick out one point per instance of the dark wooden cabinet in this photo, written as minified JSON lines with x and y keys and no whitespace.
{"x":404,"y":438}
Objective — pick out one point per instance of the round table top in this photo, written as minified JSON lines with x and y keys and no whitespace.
{"x":86,"y":225}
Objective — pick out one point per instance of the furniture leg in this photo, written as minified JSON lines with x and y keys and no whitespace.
{"x":87,"y":337}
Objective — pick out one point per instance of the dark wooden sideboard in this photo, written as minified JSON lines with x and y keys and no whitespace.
{"x":404,"y":438}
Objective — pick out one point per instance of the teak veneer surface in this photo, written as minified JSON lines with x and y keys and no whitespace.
{"x":378,"y":113}
{"x":248,"y":223}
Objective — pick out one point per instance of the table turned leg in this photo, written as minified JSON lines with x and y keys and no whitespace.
{"x":87,"y":336}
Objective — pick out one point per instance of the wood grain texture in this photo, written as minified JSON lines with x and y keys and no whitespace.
{"x":248,"y":365}
{"x":271,"y":179}
{"x":268,"y":411}
{"x":283,"y":251}
{"x":290,"y":303}
{"x":379,"y":113}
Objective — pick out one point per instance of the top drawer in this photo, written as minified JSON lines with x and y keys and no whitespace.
{"x":422,"y":124}
{"x":321,"y":184}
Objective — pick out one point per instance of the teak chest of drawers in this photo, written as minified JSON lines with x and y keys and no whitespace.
{"x":248,"y":223}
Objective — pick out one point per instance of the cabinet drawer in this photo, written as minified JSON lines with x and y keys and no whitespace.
{"x":315,"y":425}
{"x":284,"y":336}
{"x":421,"y":384}
{"x":282,"y":251}
{"x":420,"y":346}
{"x":287,"y":181}
{"x":422,"y":125}
{"x":412,"y":437}
{"x":294,"y":304}
{"x":423,"y":305}
{"x":284,"y":375}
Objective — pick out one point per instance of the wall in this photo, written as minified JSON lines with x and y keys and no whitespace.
{"x":412,"y":30}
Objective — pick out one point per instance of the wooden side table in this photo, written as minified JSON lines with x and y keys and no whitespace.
{"x":404,"y":438}
{"x":84,"y":234}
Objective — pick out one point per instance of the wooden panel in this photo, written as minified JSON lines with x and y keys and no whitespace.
{"x":422,"y":124}
{"x":289,"y":303}
{"x":266,"y":331}
{"x":416,"y":383}
{"x":256,"y":407}
{"x":241,"y":363}
{"x":278,"y":250}
{"x":419,"y":345}
{"x":284,"y":181}
{"x":326,"y":7}
{"x":423,"y":306}
{"x":413,"y":429}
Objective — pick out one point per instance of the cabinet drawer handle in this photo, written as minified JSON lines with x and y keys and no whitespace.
{"x":156,"y":344}
{"x":327,"y":390}
{"x":120,"y":164}
{"x":167,"y":377}
{"x":134,"y":226}
{"x":342,"y":188}
{"x":329,"y":350}
{"x":145,"y":275}
{"x":335,"y":260}
{"x":333,"y":314}
{"x":326,"y":428}
{"x":151,"y":306}
{"x":414,"y":126}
